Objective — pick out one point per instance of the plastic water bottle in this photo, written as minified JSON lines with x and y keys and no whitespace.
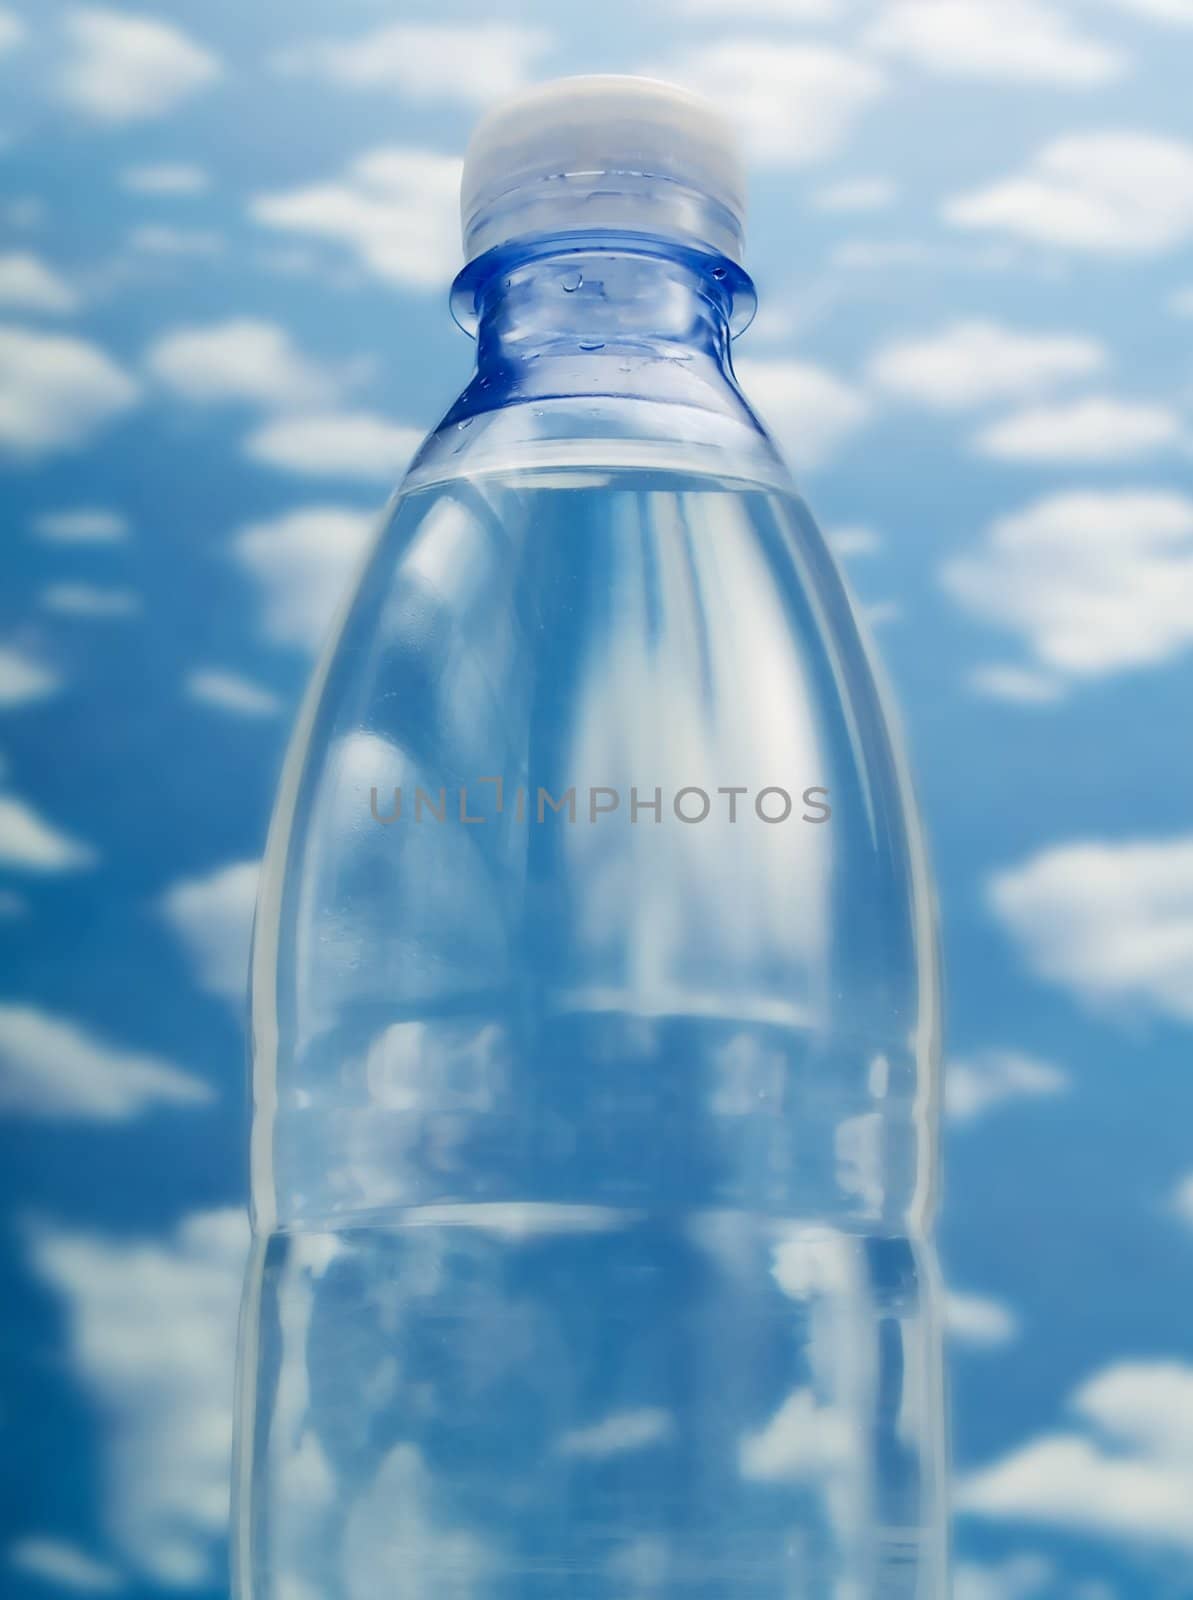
{"x":594,"y":998}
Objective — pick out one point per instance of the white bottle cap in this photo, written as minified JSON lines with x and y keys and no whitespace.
{"x":604,"y":152}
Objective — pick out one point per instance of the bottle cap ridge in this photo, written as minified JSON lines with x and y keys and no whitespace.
{"x":604,"y":151}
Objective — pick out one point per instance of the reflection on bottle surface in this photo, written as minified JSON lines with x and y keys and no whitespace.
{"x":542,"y":1400}
{"x":592,"y":1142}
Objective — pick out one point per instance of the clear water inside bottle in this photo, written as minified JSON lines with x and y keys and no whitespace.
{"x":592,"y":1140}
{"x":529,"y":1401}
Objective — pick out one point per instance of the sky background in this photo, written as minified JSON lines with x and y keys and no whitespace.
{"x":226,"y":235}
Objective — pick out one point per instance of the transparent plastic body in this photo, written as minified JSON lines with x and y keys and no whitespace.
{"x":594,"y":1013}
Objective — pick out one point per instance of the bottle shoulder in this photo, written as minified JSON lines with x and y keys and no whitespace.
{"x":564,"y":608}
{"x":684,"y":432}
{"x":595,"y":770}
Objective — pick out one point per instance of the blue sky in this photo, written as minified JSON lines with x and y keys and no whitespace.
{"x":226,"y":234}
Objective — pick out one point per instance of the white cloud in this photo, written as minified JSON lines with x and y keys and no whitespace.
{"x":853,"y":540}
{"x":977,"y":1320}
{"x":227,"y":691}
{"x":159,"y":239}
{"x":1095,"y":429}
{"x":303,"y":564}
{"x":517,"y":1220}
{"x":27,"y":211}
{"x":1015,"y":41}
{"x":12,"y":30}
{"x":30,"y":844}
{"x":23,"y":680}
{"x":1020,"y":1578}
{"x":55,"y":391}
{"x":879,"y":612}
{"x":795,"y":104}
{"x":971,"y":362}
{"x":1110,"y":193}
{"x":974,"y":1085}
{"x":1127,"y":1474}
{"x":618,"y":1434}
{"x":856,"y":194}
{"x":90,"y":600}
{"x":123,"y":68}
{"x":165,"y":178}
{"x":241,"y":360}
{"x":303,"y":561}
{"x":774,"y":10}
{"x":50,"y":1068}
{"x":402,"y":1522}
{"x":914,"y":255}
{"x":27,"y":284}
{"x":1018,"y":685}
{"x":396,"y":209}
{"x":1182,"y":1200}
{"x":54,"y":1561}
{"x":152,"y":1337}
{"x":213,"y":916}
{"x":775,"y":322}
{"x":355,"y":444}
{"x":82,"y":525}
{"x":810,"y":411}
{"x":638,"y":1567}
{"x":1179,"y":11}
{"x":1112,"y":922}
{"x":1094,"y":582}
{"x":804,"y":1439}
{"x":473,"y":62}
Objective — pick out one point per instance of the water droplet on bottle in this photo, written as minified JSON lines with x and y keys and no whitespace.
{"x":592,"y":344}
{"x":718,"y":272}
{"x":571,"y":281}
{"x":467,"y":423}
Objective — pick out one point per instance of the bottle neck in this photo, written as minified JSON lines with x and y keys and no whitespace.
{"x":601,"y":350}
{"x":584,"y":315}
